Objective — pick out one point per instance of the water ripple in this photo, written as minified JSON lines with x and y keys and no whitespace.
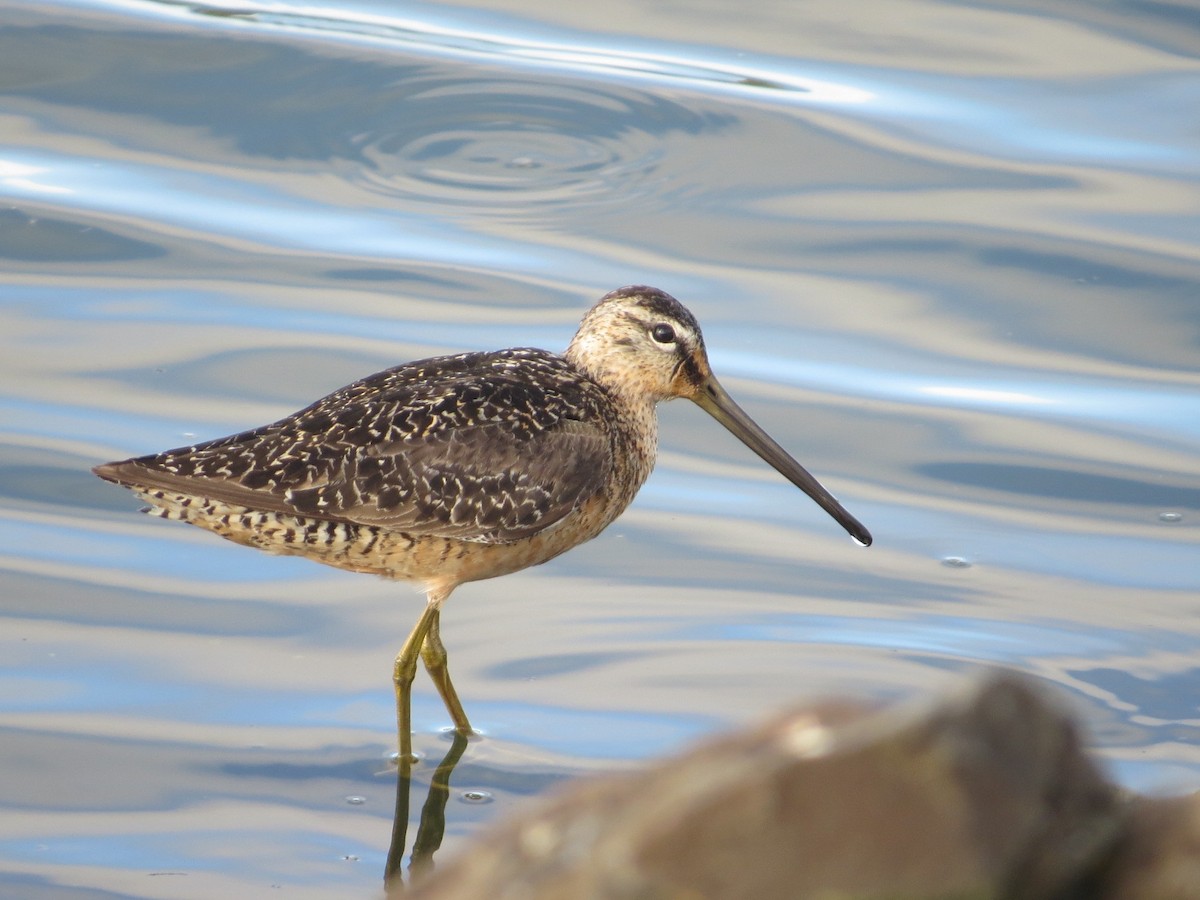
{"x":431,"y":37}
{"x":512,"y":144}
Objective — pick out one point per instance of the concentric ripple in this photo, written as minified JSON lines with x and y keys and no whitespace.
{"x":510,"y":145}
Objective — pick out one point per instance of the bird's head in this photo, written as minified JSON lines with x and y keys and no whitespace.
{"x":641,"y":342}
{"x":643,"y":345}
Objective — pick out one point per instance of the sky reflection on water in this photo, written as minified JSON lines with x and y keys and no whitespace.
{"x":946,"y":255}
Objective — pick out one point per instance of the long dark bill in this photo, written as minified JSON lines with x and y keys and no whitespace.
{"x":718,"y":404}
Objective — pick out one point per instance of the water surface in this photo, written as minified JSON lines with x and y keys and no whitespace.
{"x":945,"y":253}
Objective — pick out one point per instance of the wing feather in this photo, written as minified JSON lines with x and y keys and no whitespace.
{"x":488,"y":447}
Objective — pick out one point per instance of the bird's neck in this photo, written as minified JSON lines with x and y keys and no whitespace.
{"x":608,"y":369}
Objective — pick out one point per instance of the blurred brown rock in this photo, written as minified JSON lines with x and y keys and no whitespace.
{"x":1159,"y":858}
{"x":985,"y":795}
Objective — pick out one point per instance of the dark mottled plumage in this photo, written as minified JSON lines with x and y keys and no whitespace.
{"x":439,"y":446}
{"x":464,"y":467}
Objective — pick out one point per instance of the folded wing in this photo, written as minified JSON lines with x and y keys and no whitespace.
{"x":489,"y":447}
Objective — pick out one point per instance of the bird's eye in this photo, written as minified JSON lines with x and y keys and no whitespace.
{"x":663,"y":333}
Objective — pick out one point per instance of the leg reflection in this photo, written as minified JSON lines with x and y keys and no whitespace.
{"x":432,"y":826}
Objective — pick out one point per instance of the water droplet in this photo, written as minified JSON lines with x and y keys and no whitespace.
{"x":956,"y":562}
{"x":476,"y":797}
{"x":1170,"y":517}
{"x":355,"y":800}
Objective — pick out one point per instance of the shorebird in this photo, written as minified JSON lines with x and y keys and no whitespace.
{"x":460,"y":468}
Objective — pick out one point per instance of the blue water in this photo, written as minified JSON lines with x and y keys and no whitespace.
{"x":947,"y":254}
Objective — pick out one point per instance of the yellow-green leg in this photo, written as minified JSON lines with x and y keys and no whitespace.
{"x":406,"y":670}
{"x":433,"y":652}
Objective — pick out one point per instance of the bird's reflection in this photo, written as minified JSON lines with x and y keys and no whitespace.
{"x":432,"y":825}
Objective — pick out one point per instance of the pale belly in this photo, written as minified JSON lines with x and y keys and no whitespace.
{"x":429,"y":559}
